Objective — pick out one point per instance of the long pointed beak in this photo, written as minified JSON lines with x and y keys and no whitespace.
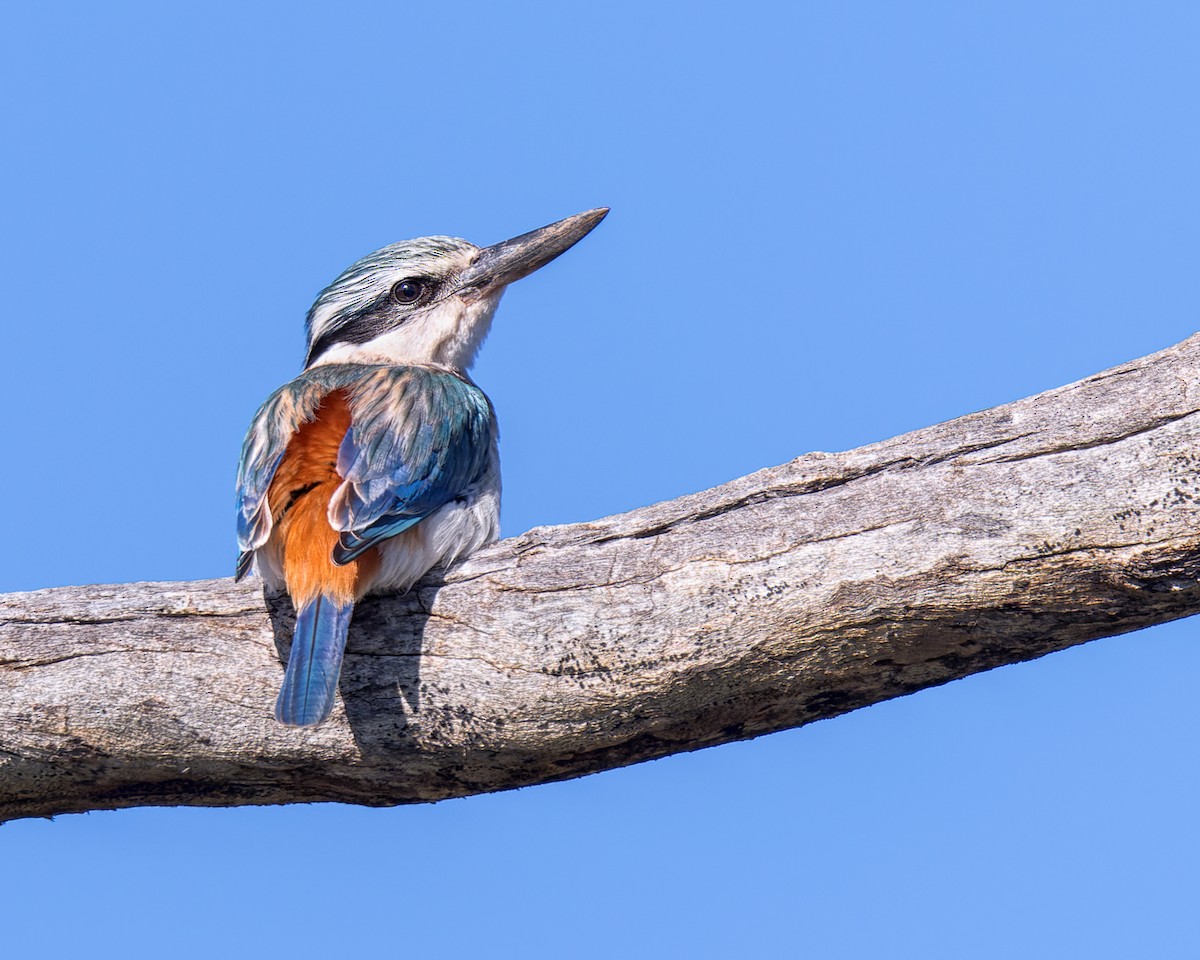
{"x":502,"y":263}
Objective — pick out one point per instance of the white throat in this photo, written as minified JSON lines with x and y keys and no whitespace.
{"x":447,"y":334}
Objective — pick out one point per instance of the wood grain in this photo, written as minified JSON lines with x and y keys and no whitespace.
{"x":794,"y":594}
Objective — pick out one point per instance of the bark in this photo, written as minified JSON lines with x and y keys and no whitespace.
{"x":794,"y":594}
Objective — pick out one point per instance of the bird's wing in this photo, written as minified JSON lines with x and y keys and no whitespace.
{"x":418,"y":438}
{"x":266,"y":441}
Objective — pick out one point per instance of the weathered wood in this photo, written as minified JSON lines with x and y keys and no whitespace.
{"x":793,"y":594}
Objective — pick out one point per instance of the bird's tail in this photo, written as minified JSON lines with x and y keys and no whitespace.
{"x":314,"y":663}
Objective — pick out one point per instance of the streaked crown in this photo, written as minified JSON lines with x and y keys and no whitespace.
{"x":431,"y":300}
{"x":383,"y":290}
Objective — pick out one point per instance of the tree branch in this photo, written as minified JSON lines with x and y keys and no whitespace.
{"x":793,"y":594}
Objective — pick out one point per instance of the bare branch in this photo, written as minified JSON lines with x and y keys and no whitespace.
{"x":793,"y":594}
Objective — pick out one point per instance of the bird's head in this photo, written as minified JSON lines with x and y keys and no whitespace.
{"x":429,"y":300}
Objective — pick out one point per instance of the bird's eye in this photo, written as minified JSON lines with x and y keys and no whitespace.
{"x":409,"y":291}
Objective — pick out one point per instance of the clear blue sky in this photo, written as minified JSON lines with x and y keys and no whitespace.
{"x":832,"y":223}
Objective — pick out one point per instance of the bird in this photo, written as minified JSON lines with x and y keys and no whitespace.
{"x":380,"y":460}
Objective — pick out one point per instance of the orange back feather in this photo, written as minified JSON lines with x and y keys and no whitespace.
{"x":299,"y":501}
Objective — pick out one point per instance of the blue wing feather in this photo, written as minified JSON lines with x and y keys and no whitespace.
{"x":272,"y":428}
{"x":419,"y":437}
{"x":353,"y":542}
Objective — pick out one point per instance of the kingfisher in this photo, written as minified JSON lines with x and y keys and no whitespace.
{"x":380,"y":460}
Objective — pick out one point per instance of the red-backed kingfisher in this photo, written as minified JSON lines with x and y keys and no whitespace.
{"x":379,"y":461}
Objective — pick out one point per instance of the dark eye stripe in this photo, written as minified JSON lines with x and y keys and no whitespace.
{"x":357,"y":328}
{"x":374,"y":319}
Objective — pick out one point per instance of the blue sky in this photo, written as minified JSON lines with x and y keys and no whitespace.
{"x":831,"y":223}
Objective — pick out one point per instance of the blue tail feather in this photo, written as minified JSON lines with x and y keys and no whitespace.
{"x":314,"y":663}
